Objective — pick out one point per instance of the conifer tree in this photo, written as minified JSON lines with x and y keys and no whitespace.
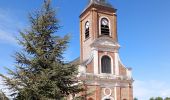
{"x":41,"y":73}
{"x":135,"y":99}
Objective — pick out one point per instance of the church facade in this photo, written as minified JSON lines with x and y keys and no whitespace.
{"x":101,"y":69}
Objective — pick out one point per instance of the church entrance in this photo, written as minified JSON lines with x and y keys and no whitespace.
{"x":108,"y":98}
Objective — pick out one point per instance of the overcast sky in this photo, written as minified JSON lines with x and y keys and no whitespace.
{"x":143,"y":30}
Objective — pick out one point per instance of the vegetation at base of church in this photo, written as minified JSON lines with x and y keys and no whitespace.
{"x":3,"y":96}
{"x":159,"y":98}
{"x":41,"y":73}
{"x":167,"y":98}
{"x":135,"y":99}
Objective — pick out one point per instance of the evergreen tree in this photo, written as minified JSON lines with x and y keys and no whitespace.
{"x":135,"y":99}
{"x":41,"y":73}
{"x":158,"y":98}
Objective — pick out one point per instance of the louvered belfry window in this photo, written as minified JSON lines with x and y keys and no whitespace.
{"x":87,"y":24}
{"x":105,"y":26}
{"x":106,"y":64}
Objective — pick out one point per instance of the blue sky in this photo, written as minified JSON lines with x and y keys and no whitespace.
{"x":143,"y":30}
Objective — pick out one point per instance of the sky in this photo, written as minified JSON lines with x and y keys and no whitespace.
{"x":143,"y":32}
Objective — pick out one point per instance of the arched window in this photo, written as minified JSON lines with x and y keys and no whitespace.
{"x":108,"y":98}
{"x":106,"y":64}
{"x":105,"y":30}
{"x":87,"y":25}
{"x":90,"y":99}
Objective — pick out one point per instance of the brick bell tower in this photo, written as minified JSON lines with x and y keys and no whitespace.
{"x":100,"y":66}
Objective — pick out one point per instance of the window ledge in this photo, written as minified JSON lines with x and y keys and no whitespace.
{"x":87,"y":39}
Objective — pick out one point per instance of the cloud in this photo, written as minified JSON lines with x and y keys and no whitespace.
{"x":9,"y":26}
{"x":6,"y":37}
{"x":2,"y":87}
{"x":144,"y":90}
{"x":5,"y":89}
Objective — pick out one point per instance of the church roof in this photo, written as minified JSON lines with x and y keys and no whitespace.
{"x":75,"y":61}
{"x":99,"y":2}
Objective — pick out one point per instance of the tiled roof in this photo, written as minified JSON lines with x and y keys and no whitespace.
{"x":100,"y":2}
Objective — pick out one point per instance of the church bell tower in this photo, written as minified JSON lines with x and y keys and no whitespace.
{"x":100,"y":66}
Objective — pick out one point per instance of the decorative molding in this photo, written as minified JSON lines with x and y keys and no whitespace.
{"x":96,"y":62}
{"x":115,"y":93}
{"x":116,"y":64}
{"x":128,"y":70}
{"x":107,"y":49}
{"x":110,"y":92}
{"x":112,"y":80}
{"x":108,"y":43}
{"x":105,"y":43}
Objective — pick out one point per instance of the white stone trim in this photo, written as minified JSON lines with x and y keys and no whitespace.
{"x":116,"y":64}
{"x":110,"y":34}
{"x":112,"y":50}
{"x":115,"y":91}
{"x":96,"y":61}
{"x":101,"y":64}
{"x":129,"y":73}
{"x":108,"y":97}
{"x":110,"y":91}
{"x":81,"y":69}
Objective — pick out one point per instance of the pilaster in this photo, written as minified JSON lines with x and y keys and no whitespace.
{"x":96,"y":62}
{"x":116,"y":64}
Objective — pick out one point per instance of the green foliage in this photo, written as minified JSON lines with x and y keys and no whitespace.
{"x":167,"y":98}
{"x":152,"y":98}
{"x":160,"y":98}
{"x":135,"y":99}
{"x":41,"y":73}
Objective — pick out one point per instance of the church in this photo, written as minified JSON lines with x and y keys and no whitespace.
{"x":101,"y":69}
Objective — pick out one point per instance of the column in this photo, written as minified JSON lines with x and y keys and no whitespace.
{"x":96,"y":62}
{"x":116,"y":64}
{"x":115,"y":91}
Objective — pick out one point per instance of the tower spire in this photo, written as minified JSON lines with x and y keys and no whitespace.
{"x":100,"y":2}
